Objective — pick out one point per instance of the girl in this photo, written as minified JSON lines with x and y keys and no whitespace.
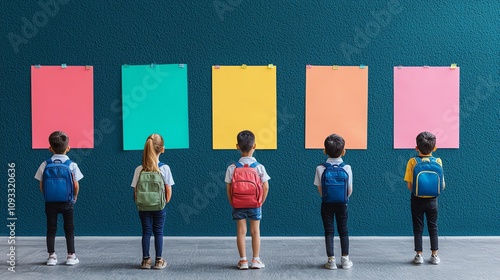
{"x":153,"y":221}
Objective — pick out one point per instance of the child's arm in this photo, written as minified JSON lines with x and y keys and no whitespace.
{"x":168,"y":192}
{"x":409,"y":186}
{"x":320,"y":191}
{"x":265,"y":188}
{"x":228,"y":190}
{"x":77,"y":189}
{"x":41,"y":187}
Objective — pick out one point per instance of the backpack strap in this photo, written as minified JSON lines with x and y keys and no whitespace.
{"x":49,"y":161}
{"x":253,"y":165}
{"x":326,"y":164}
{"x":160,"y":164}
{"x":68,"y":162}
{"x":238,"y":164}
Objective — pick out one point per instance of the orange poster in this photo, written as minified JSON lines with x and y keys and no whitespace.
{"x":336,"y":102}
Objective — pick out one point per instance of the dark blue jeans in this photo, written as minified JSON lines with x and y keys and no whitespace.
{"x":152,"y":223}
{"x":52,"y":210}
{"x":429,"y":208}
{"x":339,"y":212}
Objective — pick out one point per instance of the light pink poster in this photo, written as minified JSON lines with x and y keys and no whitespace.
{"x":62,"y":98}
{"x":426,"y":99}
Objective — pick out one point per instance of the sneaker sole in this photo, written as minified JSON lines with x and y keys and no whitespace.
{"x":51,"y":264}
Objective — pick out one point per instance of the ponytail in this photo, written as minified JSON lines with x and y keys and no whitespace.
{"x":152,"y":148}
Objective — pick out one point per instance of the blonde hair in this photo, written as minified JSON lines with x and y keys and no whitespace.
{"x":152,"y":148}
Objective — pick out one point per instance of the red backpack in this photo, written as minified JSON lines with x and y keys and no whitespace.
{"x":246,"y":186}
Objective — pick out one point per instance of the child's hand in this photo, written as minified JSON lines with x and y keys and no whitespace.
{"x":74,"y":199}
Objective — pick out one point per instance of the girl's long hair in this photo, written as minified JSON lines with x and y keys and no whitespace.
{"x":152,"y":148}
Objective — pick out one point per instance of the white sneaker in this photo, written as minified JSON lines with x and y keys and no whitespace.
{"x":330,"y":264}
{"x":72,"y":260}
{"x":345,"y":262}
{"x":52,"y":260}
{"x":256,"y":264}
{"x":243,"y":264}
{"x":418,"y":259}
{"x":435,"y":259}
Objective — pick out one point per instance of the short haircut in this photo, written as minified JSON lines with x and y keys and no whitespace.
{"x":426,"y":142}
{"x":246,"y":140}
{"x":334,"y":145}
{"x":58,"y":141}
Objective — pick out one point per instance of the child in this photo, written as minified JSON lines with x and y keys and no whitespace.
{"x":334,"y":148}
{"x":246,"y":145}
{"x":59,"y":146}
{"x":426,"y":144}
{"x":153,"y":221}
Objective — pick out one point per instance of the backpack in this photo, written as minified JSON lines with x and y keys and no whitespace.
{"x":150,"y":191}
{"x":246,"y":186}
{"x":57,"y":181}
{"x":427,"y":177}
{"x":334,"y":183}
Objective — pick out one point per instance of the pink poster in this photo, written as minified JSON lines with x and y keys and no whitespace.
{"x":62,"y":98}
{"x":426,"y":99}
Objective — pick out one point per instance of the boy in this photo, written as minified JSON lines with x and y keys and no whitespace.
{"x":426,"y":144}
{"x":59,"y":147}
{"x":246,"y":145}
{"x":334,"y":148}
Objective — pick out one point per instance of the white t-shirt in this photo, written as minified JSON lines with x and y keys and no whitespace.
{"x":165,"y":173}
{"x":73,"y":167}
{"x":261,"y":170}
{"x":320,"y":169}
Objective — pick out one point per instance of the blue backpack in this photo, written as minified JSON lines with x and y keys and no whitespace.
{"x":334,"y":183}
{"x":57,"y":181}
{"x":427,"y":177}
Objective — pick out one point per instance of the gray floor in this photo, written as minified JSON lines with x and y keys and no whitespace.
{"x":285,"y":258}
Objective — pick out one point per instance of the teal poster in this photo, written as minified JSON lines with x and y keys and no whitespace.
{"x":155,"y":100}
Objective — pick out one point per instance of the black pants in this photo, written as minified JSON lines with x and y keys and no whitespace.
{"x":52,"y":210}
{"x":339,"y":212}
{"x":429,"y":208}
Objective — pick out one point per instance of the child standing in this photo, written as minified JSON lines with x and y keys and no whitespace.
{"x":420,"y":206}
{"x":334,"y":148}
{"x":244,"y":206}
{"x":153,"y":221}
{"x":59,"y":146}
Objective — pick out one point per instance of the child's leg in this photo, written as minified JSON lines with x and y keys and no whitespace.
{"x":51,"y":213}
{"x":241,"y":229}
{"x":327,"y":215}
{"x":341,"y":216}
{"x":146,"y":222}
{"x":417,"y":215}
{"x":158,"y":224}
{"x":69,"y":226}
{"x":255,"y":232}
{"x":432,"y":216}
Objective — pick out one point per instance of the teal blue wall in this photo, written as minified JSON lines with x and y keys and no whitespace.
{"x":289,"y":34}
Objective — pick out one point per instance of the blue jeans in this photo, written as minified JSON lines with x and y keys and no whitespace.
{"x":52,"y":210}
{"x":429,"y":208}
{"x":339,"y":212}
{"x":152,"y":223}
{"x":247,"y":213}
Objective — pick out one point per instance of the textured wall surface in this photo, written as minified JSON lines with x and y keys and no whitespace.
{"x":289,"y":34}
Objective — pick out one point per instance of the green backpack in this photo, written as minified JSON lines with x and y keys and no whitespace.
{"x":150,"y":191}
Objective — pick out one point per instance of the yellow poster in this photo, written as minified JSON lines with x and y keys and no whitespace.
{"x":244,"y":98}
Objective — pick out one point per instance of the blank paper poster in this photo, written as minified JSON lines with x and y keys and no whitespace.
{"x":244,"y":98}
{"x":426,"y":99}
{"x":62,"y":98}
{"x":336,"y":102}
{"x":155,"y":100}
